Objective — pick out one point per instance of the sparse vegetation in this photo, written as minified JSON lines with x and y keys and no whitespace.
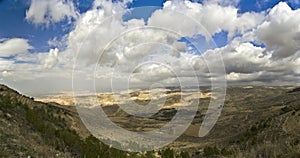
{"x":211,"y":151}
{"x":56,"y":133}
{"x":263,"y":134}
{"x":167,"y":153}
{"x":286,"y":109}
{"x":183,"y":155}
{"x":251,"y":133}
{"x":214,"y":151}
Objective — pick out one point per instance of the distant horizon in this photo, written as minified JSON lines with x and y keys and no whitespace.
{"x":63,"y":93}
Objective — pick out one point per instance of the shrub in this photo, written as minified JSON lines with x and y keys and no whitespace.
{"x":168,"y":153}
{"x":184,"y":155}
{"x":226,"y":152}
{"x":211,"y":151}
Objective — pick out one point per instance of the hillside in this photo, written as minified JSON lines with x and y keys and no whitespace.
{"x":255,"y":122}
{"x":36,"y":129}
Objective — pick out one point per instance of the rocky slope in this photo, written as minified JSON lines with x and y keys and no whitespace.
{"x":34,"y":129}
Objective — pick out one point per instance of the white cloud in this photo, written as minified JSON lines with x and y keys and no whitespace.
{"x":127,"y":44}
{"x":52,"y":59}
{"x":244,"y":62}
{"x":153,"y":73}
{"x":6,"y":73}
{"x":213,"y":17}
{"x":281,"y":31}
{"x":5,"y":64}
{"x":121,"y":41}
{"x":50,"y":11}
{"x":98,"y":24}
{"x":248,"y":64}
{"x":238,"y":77}
{"x":58,"y":42}
{"x":245,"y":58}
{"x":14,"y":46}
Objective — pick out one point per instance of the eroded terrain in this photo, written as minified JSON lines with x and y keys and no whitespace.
{"x":253,"y":118}
{"x":255,"y":121}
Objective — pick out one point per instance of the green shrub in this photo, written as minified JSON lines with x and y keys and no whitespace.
{"x":167,"y":153}
{"x":211,"y":151}
{"x":149,"y":154}
{"x":226,"y":152}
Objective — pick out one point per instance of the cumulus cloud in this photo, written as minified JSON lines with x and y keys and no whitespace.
{"x":245,"y":58}
{"x":117,"y":41}
{"x":131,"y":42}
{"x":249,"y":64}
{"x":14,"y":46}
{"x":281,"y":32}
{"x":50,"y":11}
{"x":93,"y":32}
{"x":120,"y":46}
{"x":101,"y":35}
{"x":152,"y":73}
{"x":123,"y":49}
{"x":213,"y":17}
{"x":52,"y":59}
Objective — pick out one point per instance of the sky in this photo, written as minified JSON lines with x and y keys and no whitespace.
{"x":54,"y":46}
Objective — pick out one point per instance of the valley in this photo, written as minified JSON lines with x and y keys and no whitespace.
{"x":255,"y":122}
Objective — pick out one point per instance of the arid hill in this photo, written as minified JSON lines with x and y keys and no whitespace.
{"x":255,"y":122}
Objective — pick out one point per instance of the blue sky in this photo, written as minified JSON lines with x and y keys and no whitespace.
{"x":13,"y":23}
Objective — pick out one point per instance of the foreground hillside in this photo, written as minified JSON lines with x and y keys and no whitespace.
{"x":255,"y":122}
{"x":36,"y":129}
